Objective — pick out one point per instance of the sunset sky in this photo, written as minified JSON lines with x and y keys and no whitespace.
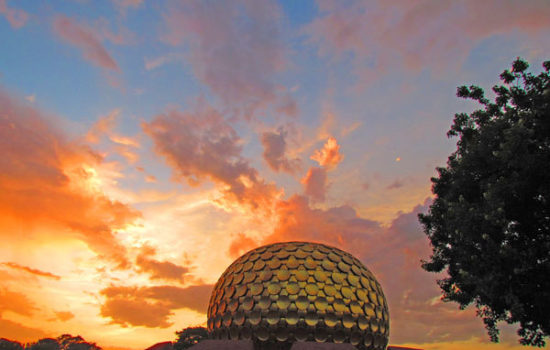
{"x":144,"y":145}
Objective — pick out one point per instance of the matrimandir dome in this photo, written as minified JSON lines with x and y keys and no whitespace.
{"x":282,"y":293}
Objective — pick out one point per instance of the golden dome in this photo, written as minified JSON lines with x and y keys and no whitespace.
{"x":299,"y":291}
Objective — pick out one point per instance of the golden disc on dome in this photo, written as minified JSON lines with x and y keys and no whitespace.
{"x":283,"y":302}
{"x":283,"y":275}
{"x":311,"y":319}
{"x":320,"y":276}
{"x":265,"y":275}
{"x":301,"y":275}
{"x":331,"y":320}
{"x":274,"y":263}
{"x":312,"y":289}
{"x":292,"y":288}
{"x":274,"y":288}
{"x":302,"y":303}
{"x":292,"y":318}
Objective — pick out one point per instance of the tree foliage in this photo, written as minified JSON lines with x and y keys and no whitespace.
{"x":189,"y":337}
{"x":63,"y":342}
{"x":489,"y":224}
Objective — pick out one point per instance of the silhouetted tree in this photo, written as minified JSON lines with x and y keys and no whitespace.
{"x":189,"y":337}
{"x":489,"y":224}
{"x":6,"y":344}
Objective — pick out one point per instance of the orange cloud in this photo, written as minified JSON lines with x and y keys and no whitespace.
{"x":64,"y":316}
{"x":86,"y":40}
{"x":329,"y":156}
{"x":202,"y":145}
{"x":235,"y":50}
{"x":152,"y":306}
{"x":163,"y":270}
{"x":274,"y":144}
{"x":15,"y":302}
{"x":44,"y":185}
{"x":31,"y":270}
{"x":16,"y":17}
{"x":14,"y":330}
{"x":315,"y":183}
{"x":241,"y":244}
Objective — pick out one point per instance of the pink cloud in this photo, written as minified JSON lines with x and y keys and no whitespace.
{"x":235,"y":50}
{"x":86,"y":40}
{"x":201,"y":145}
{"x":409,"y":35}
{"x":315,"y":183}
{"x":275,"y":147}
{"x":16,"y":17}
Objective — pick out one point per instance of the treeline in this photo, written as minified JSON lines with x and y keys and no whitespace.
{"x":63,"y":342}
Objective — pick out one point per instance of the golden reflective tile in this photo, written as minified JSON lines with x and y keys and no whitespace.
{"x":264,"y":303}
{"x":272,"y":317}
{"x":255,"y":289}
{"x":254,"y":317}
{"x":347,"y":293}
{"x":317,"y":255}
{"x":369,"y":310}
{"x":311,"y":319}
{"x":328,"y":265}
{"x":342,"y":266}
{"x":292,"y":288}
{"x":274,"y":288}
{"x":258,"y":265}
{"x":253,"y":257}
{"x":302,"y":303}
{"x":310,"y":263}
{"x":265,"y":275}
{"x":338,"y":278}
{"x":283,"y":274}
{"x":301,"y":275}
{"x":283,"y":302}
{"x":320,"y":276}
{"x":249,"y":277}
{"x":248,"y":266}
{"x":291,"y":318}
{"x":348,"y":321}
{"x":274,"y":263}
{"x":312,"y":289}
{"x":321,"y":304}
{"x":292,"y":262}
{"x":331,"y":320}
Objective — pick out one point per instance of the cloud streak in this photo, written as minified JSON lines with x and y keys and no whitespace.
{"x":86,"y":40}
{"x":31,"y":270}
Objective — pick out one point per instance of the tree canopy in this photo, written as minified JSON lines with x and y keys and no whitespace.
{"x":190,"y":336}
{"x":489,"y":224}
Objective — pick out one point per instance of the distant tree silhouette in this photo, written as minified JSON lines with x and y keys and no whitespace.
{"x":189,"y":337}
{"x":63,"y":342}
{"x":6,"y":344}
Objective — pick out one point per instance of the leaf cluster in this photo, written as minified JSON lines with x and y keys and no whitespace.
{"x":489,"y":224}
